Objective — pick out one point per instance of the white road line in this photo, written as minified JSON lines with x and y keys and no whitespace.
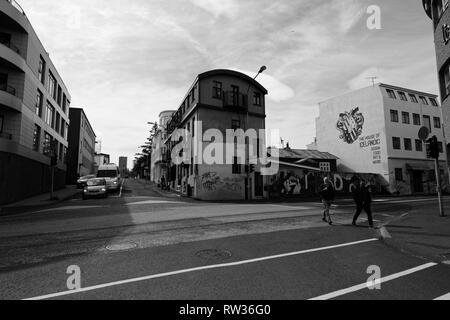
{"x":168,"y":274}
{"x":444,"y":298}
{"x":382,"y":280}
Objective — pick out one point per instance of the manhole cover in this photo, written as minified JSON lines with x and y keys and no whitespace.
{"x":121,"y":246}
{"x":214,"y":254}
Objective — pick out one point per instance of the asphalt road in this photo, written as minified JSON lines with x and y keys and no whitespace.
{"x":140,"y":245}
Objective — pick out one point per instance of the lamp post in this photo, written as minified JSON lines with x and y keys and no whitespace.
{"x":247,"y":162}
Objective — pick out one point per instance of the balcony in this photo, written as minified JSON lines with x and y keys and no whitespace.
{"x":4,"y":135}
{"x":11,"y":46}
{"x":8,"y":89}
{"x":235,"y":100}
{"x":17,"y":6}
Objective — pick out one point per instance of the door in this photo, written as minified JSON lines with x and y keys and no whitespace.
{"x":259,"y":185}
{"x":417,"y":182}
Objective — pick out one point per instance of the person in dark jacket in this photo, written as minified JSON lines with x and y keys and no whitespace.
{"x":327,"y":195}
{"x":363,"y":200}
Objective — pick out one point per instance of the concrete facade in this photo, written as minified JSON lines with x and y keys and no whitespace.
{"x":81,"y":154}
{"x":375,"y":130}
{"x":438,"y":11}
{"x":123,"y":166}
{"x":34,"y":104}
{"x":220,"y":100}
{"x":159,"y":167}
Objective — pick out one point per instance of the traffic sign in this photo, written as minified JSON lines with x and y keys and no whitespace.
{"x":424,"y":133}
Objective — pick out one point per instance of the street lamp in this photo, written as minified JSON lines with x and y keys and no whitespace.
{"x":247,"y":162}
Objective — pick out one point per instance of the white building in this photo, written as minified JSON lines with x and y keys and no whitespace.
{"x":159,"y":161}
{"x":376,"y":130}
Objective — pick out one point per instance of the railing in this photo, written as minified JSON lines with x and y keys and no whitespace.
{"x":11,"y":46}
{"x":4,"y":135}
{"x":17,"y":6}
{"x":8,"y":89}
{"x":237,"y":100}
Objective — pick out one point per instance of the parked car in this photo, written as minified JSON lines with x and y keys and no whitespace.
{"x":110,"y":172}
{"x":81,"y":183}
{"x":95,"y":188}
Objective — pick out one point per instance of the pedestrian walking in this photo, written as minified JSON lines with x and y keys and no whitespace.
{"x":327,"y":195}
{"x":363,"y":199}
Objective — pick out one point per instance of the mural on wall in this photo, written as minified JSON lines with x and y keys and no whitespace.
{"x":350,"y":125}
{"x":301,"y":182}
{"x":211,"y":181}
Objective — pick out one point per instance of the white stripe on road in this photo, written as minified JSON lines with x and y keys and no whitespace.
{"x":382,"y":280}
{"x":444,"y":298}
{"x":168,"y":274}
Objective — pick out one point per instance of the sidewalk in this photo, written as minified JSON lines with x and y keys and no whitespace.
{"x":162,"y":193}
{"x":421,"y":233}
{"x":40,"y":201}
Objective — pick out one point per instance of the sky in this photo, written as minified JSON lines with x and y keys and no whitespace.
{"x":125,"y":61}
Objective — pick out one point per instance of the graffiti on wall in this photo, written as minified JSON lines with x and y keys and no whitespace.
{"x":300,"y":182}
{"x":350,"y":125}
{"x":211,"y":181}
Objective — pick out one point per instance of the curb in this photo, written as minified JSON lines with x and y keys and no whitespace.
{"x":10,"y":211}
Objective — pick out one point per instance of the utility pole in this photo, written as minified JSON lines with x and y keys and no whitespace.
{"x":247,"y":162}
{"x":433,"y":153}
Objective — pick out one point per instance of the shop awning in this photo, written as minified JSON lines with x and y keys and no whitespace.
{"x":426,"y":166}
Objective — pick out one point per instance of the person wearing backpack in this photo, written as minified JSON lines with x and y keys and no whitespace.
{"x":327,"y":195}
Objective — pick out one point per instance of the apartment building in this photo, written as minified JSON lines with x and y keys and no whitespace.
{"x":34,"y":105}
{"x":81,"y":154}
{"x":123,"y":166}
{"x":376,"y":130}
{"x":159,"y":160}
{"x":438,"y":11}
{"x":217,"y":100}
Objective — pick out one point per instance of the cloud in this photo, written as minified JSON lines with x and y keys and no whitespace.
{"x":228,"y":8}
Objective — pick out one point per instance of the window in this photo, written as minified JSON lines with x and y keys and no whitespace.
{"x":396,"y":143}
{"x":257,"y":99}
{"x":424,"y":100}
{"x":444,"y":77}
{"x":193,"y":127}
{"x":64,"y":103}
{"x":419,"y":146}
{"x":427,"y":122}
{"x":408,"y":144}
{"x":63,"y":127}
{"x":47,"y":143}
{"x":39,"y":102}
{"x":57,"y":122}
{"x":52,"y":85}
{"x":394,"y":116}
{"x":437,"y":122}
{"x":217,"y":90}
{"x":59,"y":100}
{"x":405,"y":118}
{"x":61,"y":152}
{"x":325,"y":166}
{"x":1,"y":123}
{"x":65,"y":155}
{"x":41,"y":71}
{"x":391,"y":94}
{"x":237,"y":169}
{"x":398,"y":174}
{"x":235,"y":124}
{"x":193,"y":94}
{"x":440,"y":147}
{"x":49,"y":115}
{"x":66,"y":133}
{"x":413,"y":98}
{"x":441,"y":6}
{"x":235,"y":91}
{"x":433,"y":102}
{"x":416,"y":119}
{"x":36,"y":138}
{"x":402,"y":96}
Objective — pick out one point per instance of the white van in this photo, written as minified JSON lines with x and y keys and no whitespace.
{"x":110,"y":172}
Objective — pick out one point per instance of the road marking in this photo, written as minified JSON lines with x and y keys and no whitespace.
{"x":218,"y":266}
{"x":149,"y":202}
{"x":385,"y":233}
{"x":382,"y":280}
{"x":444,"y":298}
{"x":68,"y":208}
